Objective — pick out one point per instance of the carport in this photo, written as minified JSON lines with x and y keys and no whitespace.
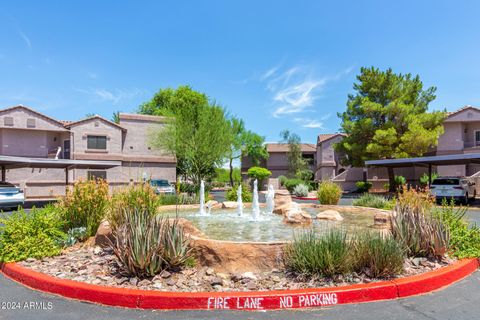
{"x":9,"y":162}
{"x":443,"y":160}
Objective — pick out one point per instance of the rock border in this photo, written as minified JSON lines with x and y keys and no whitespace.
{"x":266,"y":300}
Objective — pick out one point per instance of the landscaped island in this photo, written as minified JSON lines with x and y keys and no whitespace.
{"x":130,"y":240}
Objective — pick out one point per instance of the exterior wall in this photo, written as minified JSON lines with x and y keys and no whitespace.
{"x":100,"y":128}
{"x":20,"y":116}
{"x":137,"y":137}
{"x":451,"y":141}
{"x":456,"y":170}
{"x":328,"y":160}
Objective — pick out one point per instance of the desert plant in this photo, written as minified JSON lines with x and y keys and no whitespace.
{"x":290,"y":184}
{"x":180,"y":199}
{"x":75,"y":235}
{"x":329,"y":192}
{"x":374,"y":201}
{"x":85,"y":205}
{"x":35,"y":234}
{"x":138,"y":196}
{"x":464,"y":239}
{"x":363,"y":186}
{"x":304,"y":174}
{"x":382,"y":256}
{"x":146,"y":244}
{"x":322,"y":255}
{"x":300,"y":190}
{"x":414,"y":226}
{"x":246,"y":194}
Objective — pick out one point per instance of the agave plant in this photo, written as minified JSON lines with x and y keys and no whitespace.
{"x":414,"y":226}
{"x":146,"y":244}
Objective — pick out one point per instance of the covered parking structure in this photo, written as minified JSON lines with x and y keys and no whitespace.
{"x":9,"y":162}
{"x":441,"y":160}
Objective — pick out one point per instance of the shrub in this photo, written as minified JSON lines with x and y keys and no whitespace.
{"x":290,"y":184}
{"x":382,"y":256}
{"x":246,"y":194}
{"x":415,"y":228}
{"x":171,"y":199}
{"x":424,"y":179}
{"x":138,"y":196}
{"x":189,"y":188}
{"x":282,"y":180}
{"x":85,"y":205}
{"x":374,"y":201}
{"x":400,"y":181}
{"x":145,"y":244}
{"x":74,"y":235}
{"x":305,"y":175}
{"x":464,"y":239}
{"x":325,"y":255}
{"x":35,"y":234}
{"x":329,"y":192}
{"x":300,"y":190}
{"x":259,"y":173}
{"x":363,"y":186}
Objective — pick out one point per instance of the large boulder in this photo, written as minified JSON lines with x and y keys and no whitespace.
{"x":282,"y":201}
{"x":331,"y":215}
{"x":381,"y":219}
{"x":104,"y":234}
{"x":212,"y":204}
{"x":229,"y":205}
{"x":295,"y":215}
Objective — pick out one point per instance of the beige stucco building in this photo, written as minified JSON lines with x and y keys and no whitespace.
{"x":25,"y":132}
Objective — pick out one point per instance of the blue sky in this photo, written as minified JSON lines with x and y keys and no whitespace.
{"x":276,"y":64}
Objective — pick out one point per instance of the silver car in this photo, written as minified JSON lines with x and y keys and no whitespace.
{"x":10,"y":195}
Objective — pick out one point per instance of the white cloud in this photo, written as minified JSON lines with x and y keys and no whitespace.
{"x":114,"y":96}
{"x":309,"y":123}
{"x":26,"y":39}
{"x":297,"y":97}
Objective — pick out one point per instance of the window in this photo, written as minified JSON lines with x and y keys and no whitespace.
{"x":30,"y":123}
{"x":477,"y":138}
{"x":94,"y":175}
{"x":8,"y":121}
{"x":96,"y":142}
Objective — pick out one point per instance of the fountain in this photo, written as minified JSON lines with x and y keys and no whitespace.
{"x":270,"y":198}
{"x":239,"y":201}
{"x":255,"y":204}
{"x":202,"y":200}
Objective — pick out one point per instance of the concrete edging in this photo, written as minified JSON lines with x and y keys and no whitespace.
{"x":259,"y":300}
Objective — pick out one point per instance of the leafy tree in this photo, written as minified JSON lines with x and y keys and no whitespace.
{"x":296,"y":163}
{"x":116,"y":117}
{"x":244,"y":142}
{"x":387,"y":118}
{"x":198,"y":133}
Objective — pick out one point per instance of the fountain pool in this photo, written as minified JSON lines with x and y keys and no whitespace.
{"x":226,"y":224}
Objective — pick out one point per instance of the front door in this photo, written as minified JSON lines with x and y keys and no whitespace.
{"x":66,"y":149}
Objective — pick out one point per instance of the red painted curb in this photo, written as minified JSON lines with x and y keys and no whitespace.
{"x":283,"y":299}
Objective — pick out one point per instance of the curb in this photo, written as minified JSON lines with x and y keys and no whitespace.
{"x":303,"y":198}
{"x":260,"y":300}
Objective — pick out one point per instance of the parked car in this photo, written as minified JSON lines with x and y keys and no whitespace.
{"x":10,"y":195}
{"x":162,"y":186}
{"x":456,"y":188}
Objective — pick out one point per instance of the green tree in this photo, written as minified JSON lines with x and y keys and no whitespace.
{"x":296,"y":163}
{"x":116,"y":117}
{"x":244,"y":142}
{"x":198,"y":132}
{"x":387,"y":118}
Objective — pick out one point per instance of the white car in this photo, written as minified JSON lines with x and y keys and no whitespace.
{"x":10,"y":195}
{"x":453,"y":188}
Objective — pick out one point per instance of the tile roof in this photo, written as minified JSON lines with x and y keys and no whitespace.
{"x":284,"y":147}
{"x":449,"y":114}
{"x":71,"y":124}
{"x":327,"y":136}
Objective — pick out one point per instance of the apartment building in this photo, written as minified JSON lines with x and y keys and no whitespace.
{"x":25,"y":132}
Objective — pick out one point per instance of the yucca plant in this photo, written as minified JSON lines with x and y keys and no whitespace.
{"x":382,"y":256}
{"x":146,"y":244}
{"x":414,"y":226}
{"x":323,"y":255}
